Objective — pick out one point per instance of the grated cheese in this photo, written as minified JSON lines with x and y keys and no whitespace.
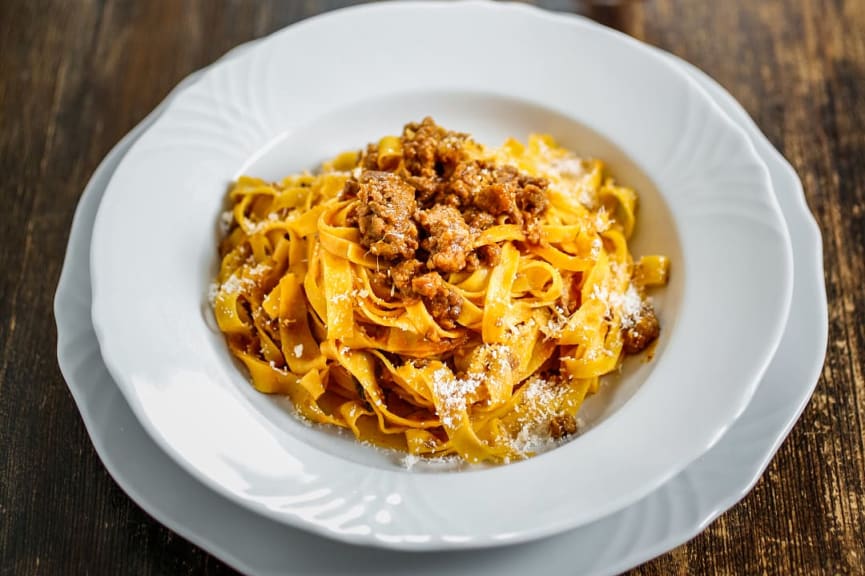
{"x":454,"y":393}
{"x":540,"y":397}
{"x":336,"y":298}
{"x":628,"y":304}
{"x":568,"y":167}
{"x":226,"y":219}
{"x":212,"y":293}
{"x":409,"y":461}
{"x":602,"y":220}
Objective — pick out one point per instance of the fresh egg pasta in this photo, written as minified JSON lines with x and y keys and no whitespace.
{"x":437,"y":296}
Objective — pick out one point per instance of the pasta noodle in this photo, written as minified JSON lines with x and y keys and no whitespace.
{"x":436,"y":296}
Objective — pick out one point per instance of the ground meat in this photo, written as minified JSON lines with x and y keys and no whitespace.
{"x":425,"y":214}
{"x":500,"y":191}
{"x":531,"y":198}
{"x":403,"y":273}
{"x":450,"y":239}
{"x":450,"y":153}
{"x":467,"y":179}
{"x":369,"y":158}
{"x":427,"y":188}
{"x":419,"y":147}
{"x":562,"y":426}
{"x":498,"y":199}
{"x":472,"y":262}
{"x":489,"y":254}
{"x":442,"y":302}
{"x":643,"y":331}
{"x":478,"y":219}
{"x":349,"y":190}
{"x":384,"y":215}
{"x":439,"y":169}
{"x":430,"y":150}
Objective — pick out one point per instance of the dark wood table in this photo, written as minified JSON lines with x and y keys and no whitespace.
{"x":76,"y":76}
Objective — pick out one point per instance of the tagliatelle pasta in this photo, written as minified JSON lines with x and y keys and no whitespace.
{"x":436,"y":296}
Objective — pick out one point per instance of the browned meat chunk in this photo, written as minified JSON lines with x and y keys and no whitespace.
{"x":369,"y":158}
{"x":443,"y":303}
{"x":427,"y":188}
{"x":403,"y":273}
{"x":384,"y":215}
{"x":531,"y":198}
{"x":642,"y":332}
{"x":437,"y":200}
{"x":419,"y":147}
{"x":562,"y":426}
{"x":468,"y":178}
{"x":498,"y":199}
{"x":489,"y":254}
{"x":450,"y":239}
{"x":430,"y":150}
{"x":478,"y":219}
{"x":349,"y":190}
{"x":520,"y":196}
{"x":498,"y":193}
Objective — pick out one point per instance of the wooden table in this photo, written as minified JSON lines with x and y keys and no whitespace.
{"x":76,"y":76}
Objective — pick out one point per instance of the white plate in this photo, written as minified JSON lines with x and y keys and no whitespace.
{"x":266,"y":113}
{"x":664,"y":519}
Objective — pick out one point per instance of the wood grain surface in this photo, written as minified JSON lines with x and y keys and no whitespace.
{"x":76,"y":76}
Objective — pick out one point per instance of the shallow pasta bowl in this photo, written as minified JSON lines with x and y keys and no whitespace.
{"x":302,"y":95}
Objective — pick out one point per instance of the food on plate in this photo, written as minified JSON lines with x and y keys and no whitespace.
{"x":437,"y":296}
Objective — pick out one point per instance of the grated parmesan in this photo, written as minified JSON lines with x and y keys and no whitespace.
{"x":226,"y":219}
{"x":539,"y":399}
{"x":596,"y":247}
{"x":409,"y":461}
{"x":212,"y":293}
{"x":454,"y":393}
{"x":628,"y":304}
{"x":236,"y":284}
{"x":568,"y":167}
{"x":602,"y":220}
{"x":277,"y":368}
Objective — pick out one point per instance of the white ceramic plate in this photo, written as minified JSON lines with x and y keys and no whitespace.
{"x":268,"y":114}
{"x":664,"y":519}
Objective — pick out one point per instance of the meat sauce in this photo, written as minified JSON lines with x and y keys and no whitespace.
{"x":423,"y":215}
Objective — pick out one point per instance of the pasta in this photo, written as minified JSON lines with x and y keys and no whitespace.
{"x":436,"y":296}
